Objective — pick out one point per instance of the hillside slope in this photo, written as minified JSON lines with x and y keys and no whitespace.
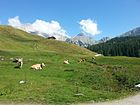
{"x":18,"y":40}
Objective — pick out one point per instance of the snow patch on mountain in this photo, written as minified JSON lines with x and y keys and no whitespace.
{"x":81,"y":40}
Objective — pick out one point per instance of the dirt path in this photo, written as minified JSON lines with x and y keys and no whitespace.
{"x":132,"y":100}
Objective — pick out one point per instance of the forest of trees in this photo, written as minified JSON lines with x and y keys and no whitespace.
{"x":119,"y":46}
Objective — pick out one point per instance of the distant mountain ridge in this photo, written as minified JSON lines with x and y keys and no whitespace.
{"x":82,"y":40}
{"x":103,"y":40}
{"x":134,"y":32}
{"x":127,"y":44}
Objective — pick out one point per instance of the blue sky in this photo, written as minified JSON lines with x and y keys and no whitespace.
{"x":112,"y":17}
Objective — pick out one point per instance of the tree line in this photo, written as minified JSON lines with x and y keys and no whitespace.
{"x":119,"y":46}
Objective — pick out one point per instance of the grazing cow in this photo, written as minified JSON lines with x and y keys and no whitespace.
{"x":93,"y":60}
{"x":19,"y":62}
{"x":66,"y":62}
{"x":138,"y":85}
{"x":82,"y":60}
{"x":38,"y":66}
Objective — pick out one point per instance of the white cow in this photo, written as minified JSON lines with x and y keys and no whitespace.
{"x":66,"y":62}
{"x":38,"y":66}
{"x":19,"y":62}
{"x":138,"y":85}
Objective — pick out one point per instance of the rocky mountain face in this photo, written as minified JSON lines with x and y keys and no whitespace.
{"x":104,"y":39}
{"x":131,"y":33}
{"x":81,"y":40}
{"x":134,"y":32}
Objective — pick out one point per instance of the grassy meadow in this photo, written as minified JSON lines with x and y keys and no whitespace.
{"x":102,"y":79}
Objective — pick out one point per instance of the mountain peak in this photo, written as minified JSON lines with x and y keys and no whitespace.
{"x":104,"y":39}
{"x":81,"y":34}
{"x":82,"y":40}
{"x":133,"y":32}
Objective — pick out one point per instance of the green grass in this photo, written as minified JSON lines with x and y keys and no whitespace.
{"x":58,"y":83}
{"x":17,"y":40}
{"x":107,"y":79}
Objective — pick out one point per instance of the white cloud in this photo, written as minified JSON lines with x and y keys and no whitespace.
{"x":40,"y":27}
{"x":89,"y":26}
{"x":14,"y":22}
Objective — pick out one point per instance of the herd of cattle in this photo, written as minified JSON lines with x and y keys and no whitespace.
{"x":19,"y":62}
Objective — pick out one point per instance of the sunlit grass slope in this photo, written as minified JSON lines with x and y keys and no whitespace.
{"x":18,"y":40}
